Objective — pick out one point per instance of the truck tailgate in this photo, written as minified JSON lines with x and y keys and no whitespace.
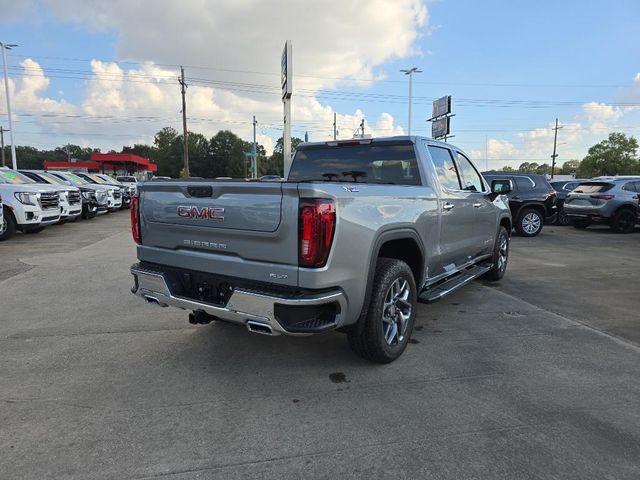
{"x":232,"y":228}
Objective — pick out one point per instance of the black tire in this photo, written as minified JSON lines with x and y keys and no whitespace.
{"x":372,"y":344}
{"x":563,"y":219}
{"x":624,"y":221}
{"x":9,"y":226}
{"x":529,"y":222}
{"x":500,"y":257}
{"x":580,"y":223}
{"x":34,"y":230}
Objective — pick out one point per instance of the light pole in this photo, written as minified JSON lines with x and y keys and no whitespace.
{"x":5,"y":47}
{"x":410,"y":72}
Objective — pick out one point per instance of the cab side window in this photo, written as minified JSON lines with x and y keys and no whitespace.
{"x":445,"y":167}
{"x":469,"y":176}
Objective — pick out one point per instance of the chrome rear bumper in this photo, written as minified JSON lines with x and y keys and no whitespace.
{"x":243,"y":306}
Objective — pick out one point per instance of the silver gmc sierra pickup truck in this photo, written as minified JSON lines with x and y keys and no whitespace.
{"x":357,"y":233}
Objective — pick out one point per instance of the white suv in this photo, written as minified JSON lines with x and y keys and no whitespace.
{"x":27,"y":206}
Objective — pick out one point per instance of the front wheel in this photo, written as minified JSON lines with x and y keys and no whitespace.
{"x":529,"y":223}
{"x":563,"y":219}
{"x":500,"y":257}
{"x":8,"y":227}
{"x":580,"y":223}
{"x":390,"y":315}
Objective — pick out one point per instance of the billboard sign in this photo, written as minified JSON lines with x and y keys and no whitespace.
{"x":442,"y":106}
{"x":286,"y":70}
{"x":440,"y":127}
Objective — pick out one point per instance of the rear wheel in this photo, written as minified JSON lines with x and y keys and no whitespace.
{"x":529,"y":223}
{"x":624,"y":221}
{"x":391,"y":313}
{"x":8,"y":227}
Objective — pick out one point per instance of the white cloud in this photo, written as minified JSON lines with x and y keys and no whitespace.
{"x":331,"y":40}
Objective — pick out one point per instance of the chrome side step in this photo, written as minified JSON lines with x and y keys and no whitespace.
{"x":436,"y":292}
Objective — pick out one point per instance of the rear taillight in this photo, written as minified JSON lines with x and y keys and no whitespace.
{"x":135,"y":220}
{"x":317,"y":223}
{"x":604,"y":196}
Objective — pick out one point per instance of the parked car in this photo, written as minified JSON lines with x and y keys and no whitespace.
{"x":70,"y":197}
{"x":562,"y":187}
{"x":3,"y":225}
{"x":27,"y":206}
{"x":100,"y":192}
{"x":87,"y":195}
{"x":127,"y":191}
{"x":129,"y":181}
{"x":360,"y":232}
{"x":613,"y":202}
{"x":115,"y":193}
{"x":532,"y":201}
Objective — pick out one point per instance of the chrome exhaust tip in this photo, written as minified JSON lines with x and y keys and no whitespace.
{"x":258,"y":327}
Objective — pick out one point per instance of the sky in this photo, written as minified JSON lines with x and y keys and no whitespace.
{"x":104,"y":74}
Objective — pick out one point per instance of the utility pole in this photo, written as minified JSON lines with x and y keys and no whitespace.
{"x":335,"y":130}
{"x":185,"y":134}
{"x":410,"y":72}
{"x":2,"y":130}
{"x":254,"y":166}
{"x":555,"y":142}
{"x":5,"y":47}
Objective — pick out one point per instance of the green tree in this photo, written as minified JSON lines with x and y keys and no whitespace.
{"x":228,"y":155}
{"x":507,"y":168}
{"x":274,"y":165}
{"x":543,"y":169}
{"x":524,"y":167}
{"x":617,"y":155}
{"x":168,"y":145}
{"x":569,"y":167}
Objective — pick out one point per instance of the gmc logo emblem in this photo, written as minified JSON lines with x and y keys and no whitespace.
{"x":205,"y":213}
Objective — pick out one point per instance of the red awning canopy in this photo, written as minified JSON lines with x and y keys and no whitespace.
{"x":117,"y":159}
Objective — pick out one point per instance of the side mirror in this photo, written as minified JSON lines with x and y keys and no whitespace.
{"x":500,"y":187}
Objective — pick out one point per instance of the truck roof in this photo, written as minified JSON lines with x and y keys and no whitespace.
{"x":365,"y":141}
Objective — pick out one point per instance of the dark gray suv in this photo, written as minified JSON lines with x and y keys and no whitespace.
{"x":611,"y":201}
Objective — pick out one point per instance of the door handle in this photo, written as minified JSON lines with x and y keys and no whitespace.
{"x":448,"y":206}
{"x":477,"y":205}
{"x":515,"y":198}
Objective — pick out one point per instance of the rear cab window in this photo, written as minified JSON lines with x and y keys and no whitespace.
{"x":392,"y":163}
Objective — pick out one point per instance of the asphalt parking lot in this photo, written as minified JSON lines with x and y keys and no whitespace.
{"x":535,"y":377}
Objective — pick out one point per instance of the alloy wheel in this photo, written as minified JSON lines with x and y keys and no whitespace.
{"x":531,"y":223}
{"x":396,"y":311}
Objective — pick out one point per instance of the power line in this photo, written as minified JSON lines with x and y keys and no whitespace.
{"x":324,"y":77}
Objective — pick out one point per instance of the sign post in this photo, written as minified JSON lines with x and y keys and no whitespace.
{"x":286,"y":77}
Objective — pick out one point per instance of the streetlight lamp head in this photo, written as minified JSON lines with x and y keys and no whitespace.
{"x":8,"y":46}
{"x":411,"y":70}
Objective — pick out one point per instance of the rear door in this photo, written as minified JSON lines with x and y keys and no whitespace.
{"x":233,"y":228}
{"x":456,"y":212}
